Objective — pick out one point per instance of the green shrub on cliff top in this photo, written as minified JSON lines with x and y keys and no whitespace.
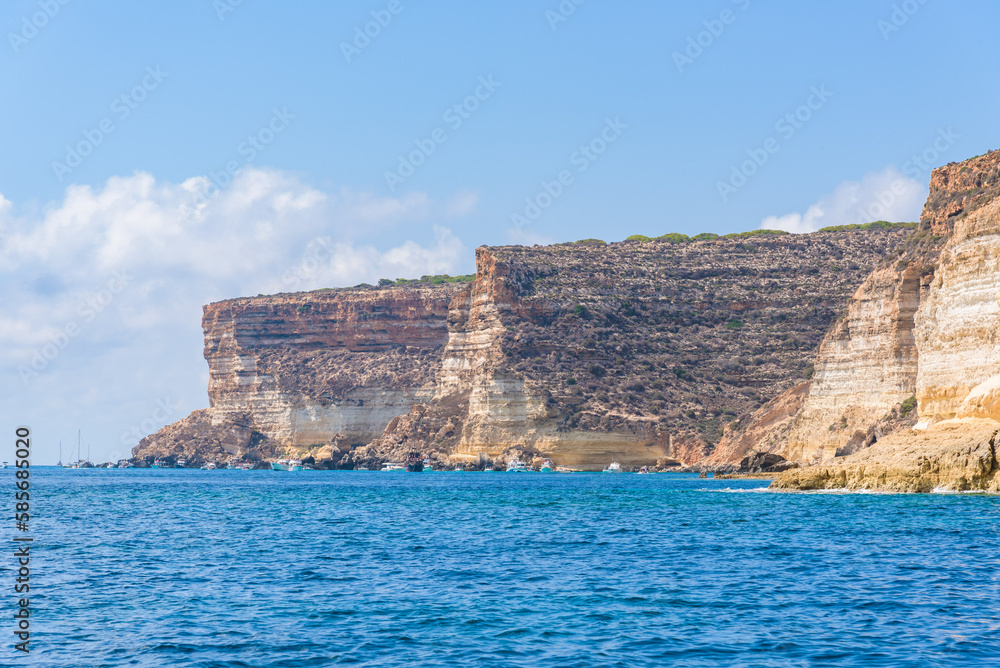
{"x":425,"y":280}
{"x":674,"y":238}
{"x":909,"y":405}
{"x":878,"y":224}
{"x":679,"y":238}
{"x":755,"y":233}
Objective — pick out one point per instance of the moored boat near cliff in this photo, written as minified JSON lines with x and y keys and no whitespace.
{"x":414,"y":462}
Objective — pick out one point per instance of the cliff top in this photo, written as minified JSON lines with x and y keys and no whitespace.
{"x":959,"y":187}
{"x":427,"y":284}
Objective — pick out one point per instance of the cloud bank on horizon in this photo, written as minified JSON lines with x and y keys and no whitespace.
{"x":886,"y":195}
{"x":108,"y":284}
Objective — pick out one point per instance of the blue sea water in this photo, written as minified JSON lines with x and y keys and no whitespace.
{"x":261,"y":568}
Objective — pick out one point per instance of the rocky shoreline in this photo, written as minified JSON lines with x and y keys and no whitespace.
{"x":862,"y":357}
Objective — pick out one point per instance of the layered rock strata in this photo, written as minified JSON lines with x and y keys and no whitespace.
{"x":868,"y":365}
{"x":585,"y":353}
{"x":957,"y":455}
{"x":950,"y":356}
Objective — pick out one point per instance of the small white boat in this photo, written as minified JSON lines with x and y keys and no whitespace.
{"x":428,"y":467}
{"x":644,"y":470}
{"x":294,"y":464}
{"x":563,"y":469}
{"x":389,"y":467}
{"x":181,"y":463}
{"x":516,"y":466}
{"x":246,"y":467}
{"x":459,"y":469}
{"x":614,"y":467}
{"x":546,"y":466}
{"x":4,"y":465}
{"x":231,"y":466}
{"x":208,"y":466}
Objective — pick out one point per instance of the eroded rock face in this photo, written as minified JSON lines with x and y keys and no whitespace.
{"x":952,"y":354}
{"x":765,"y":430}
{"x":918,"y":325}
{"x":317,"y":372}
{"x":956,"y":455}
{"x":866,"y":365}
{"x":584,"y":353}
{"x":764,"y":462}
{"x":635,"y":352}
{"x":959,"y":188}
{"x":958,"y":324}
{"x":205,"y":437}
{"x":311,"y":365}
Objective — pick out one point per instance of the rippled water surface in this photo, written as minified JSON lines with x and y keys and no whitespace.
{"x":261,"y":568}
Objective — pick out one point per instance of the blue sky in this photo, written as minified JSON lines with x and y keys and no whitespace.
{"x":199,"y":78}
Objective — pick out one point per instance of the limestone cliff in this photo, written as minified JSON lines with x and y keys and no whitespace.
{"x":937,"y":320}
{"x":586,"y":353}
{"x":310,"y":365}
{"x":868,"y":364}
{"x":958,"y":455}
{"x":958,"y":323}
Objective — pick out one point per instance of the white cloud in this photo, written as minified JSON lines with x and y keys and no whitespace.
{"x":886,"y":195}
{"x":110,"y":281}
{"x":328,"y":262}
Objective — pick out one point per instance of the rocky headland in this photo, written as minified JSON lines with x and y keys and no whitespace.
{"x":647,"y":351}
{"x":916,"y":358}
{"x":856,"y":357}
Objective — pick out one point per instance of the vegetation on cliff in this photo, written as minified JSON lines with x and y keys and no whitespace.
{"x":680,"y":339}
{"x":660,"y":342}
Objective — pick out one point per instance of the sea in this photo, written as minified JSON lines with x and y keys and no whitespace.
{"x":325,"y":568}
